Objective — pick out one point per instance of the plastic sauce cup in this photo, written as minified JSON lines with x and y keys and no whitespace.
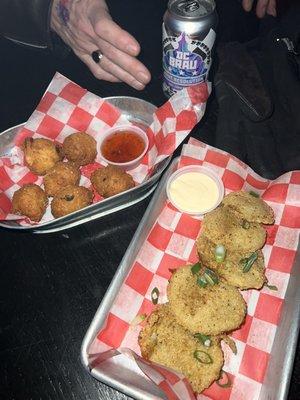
{"x":195,"y":190}
{"x":122,"y":142}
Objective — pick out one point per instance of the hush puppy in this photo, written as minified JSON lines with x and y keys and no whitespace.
{"x":165,"y":342}
{"x":30,"y":200}
{"x":80,"y":148}
{"x":41,"y":155}
{"x":211,"y":310}
{"x":61,"y":175}
{"x":111,"y":180}
{"x":70,"y":199}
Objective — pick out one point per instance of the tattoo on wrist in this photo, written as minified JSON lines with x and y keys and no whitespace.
{"x":63,"y":12}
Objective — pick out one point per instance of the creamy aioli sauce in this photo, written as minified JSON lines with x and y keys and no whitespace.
{"x":194,"y":192}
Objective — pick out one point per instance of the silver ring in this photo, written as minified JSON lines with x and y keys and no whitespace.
{"x":97,"y":56}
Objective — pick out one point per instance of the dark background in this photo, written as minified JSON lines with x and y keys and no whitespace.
{"x":52,"y":284}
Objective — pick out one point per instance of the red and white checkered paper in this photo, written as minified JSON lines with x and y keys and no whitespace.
{"x":171,"y":244}
{"x":66,"y":108}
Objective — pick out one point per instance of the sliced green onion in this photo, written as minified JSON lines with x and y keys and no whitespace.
{"x":204,"y":339}
{"x":196,"y":268}
{"x":154,"y":295}
{"x":201,"y":281}
{"x":227,"y":383}
{"x":138,"y":319}
{"x":245,"y":224}
{"x":254,"y":194}
{"x":220,"y":253}
{"x":248,"y":262}
{"x":271,"y":287}
{"x":211,"y":276}
{"x":203,"y":357}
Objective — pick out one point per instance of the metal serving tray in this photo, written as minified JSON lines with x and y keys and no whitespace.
{"x":277,"y":379}
{"x":136,"y":110}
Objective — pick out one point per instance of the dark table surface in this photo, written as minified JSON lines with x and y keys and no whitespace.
{"x":52,"y":284}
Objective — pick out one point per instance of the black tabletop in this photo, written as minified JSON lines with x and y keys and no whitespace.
{"x":52,"y":284}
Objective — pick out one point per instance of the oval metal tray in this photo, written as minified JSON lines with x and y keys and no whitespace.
{"x":136,"y":110}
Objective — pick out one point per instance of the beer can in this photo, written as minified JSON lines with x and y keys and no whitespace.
{"x":189,"y":32}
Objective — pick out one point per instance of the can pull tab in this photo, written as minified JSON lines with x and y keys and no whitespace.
{"x":188,"y":6}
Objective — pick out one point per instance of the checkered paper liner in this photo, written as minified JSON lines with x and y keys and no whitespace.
{"x":171,"y":244}
{"x":66,"y":108}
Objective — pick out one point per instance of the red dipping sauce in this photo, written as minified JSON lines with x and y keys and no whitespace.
{"x":123,"y":146}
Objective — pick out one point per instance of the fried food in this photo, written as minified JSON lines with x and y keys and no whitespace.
{"x":61,"y":175}
{"x":30,"y":200}
{"x":231,"y":269}
{"x":221,"y":226}
{"x":211,"y":310}
{"x":70,"y":199}
{"x":80,"y":148}
{"x":111,"y":180}
{"x":251,"y":208}
{"x":41,"y":155}
{"x":164,"y":341}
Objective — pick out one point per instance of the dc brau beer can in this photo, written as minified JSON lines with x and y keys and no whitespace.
{"x":189,"y":32}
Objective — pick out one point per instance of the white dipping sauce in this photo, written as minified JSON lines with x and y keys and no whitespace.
{"x":194,"y":192}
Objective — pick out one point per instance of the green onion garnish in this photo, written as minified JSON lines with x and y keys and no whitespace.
{"x":201,"y":281}
{"x":254,"y":194}
{"x":203,"y":357}
{"x":154,"y":295}
{"x":227,"y":383}
{"x":196,"y":268}
{"x":204,"y":339}
{"x":271,"y":287}
{"x":211,"y":277}
{"x":245,"y":224}
{"x":220,"y":253}
{"x":248,"y":262}
{"x":138,"y":319}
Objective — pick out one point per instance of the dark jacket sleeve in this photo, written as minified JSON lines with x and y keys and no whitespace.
{"x":26,"y":21}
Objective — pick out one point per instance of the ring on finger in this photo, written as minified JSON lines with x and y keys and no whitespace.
{"x":97,"y":56}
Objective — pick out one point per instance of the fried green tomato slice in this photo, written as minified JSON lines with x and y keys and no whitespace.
{"x":40,"y":155}
{"x":61,"y":175}
{"x":251,"y":208}
{"x":221,"y":226}
{"x":232,"y":268}
{"x":164,"y":341}
{"x":30,"y":200}
{"x":70,"y":199}
{"x":211,"y":310}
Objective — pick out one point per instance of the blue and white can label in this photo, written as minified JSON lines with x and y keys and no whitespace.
{"x":186,"y":61}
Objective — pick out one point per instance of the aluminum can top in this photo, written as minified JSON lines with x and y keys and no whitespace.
{"x":191,"y":9}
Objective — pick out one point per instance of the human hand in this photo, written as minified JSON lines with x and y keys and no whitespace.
{"x":86,"y":26}
{"x":262,"y":7}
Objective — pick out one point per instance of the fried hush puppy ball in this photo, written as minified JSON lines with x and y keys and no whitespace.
{"x":70,"y":199}
{"x":41,"y":155}
{"x":164,"y":341}
{"x":111,"y":180}
{"x":30,"y":200}
{"x":80,"y":148}
{"x":61,"y":175}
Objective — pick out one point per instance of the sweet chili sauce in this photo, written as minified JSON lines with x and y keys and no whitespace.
{"x":122,"y":146}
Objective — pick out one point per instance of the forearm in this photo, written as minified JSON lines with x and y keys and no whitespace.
{"x":26,"y":21}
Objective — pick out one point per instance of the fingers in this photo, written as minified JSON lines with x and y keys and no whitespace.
{"x":271,"y":9}
{"x":96,"y":69}
{"x":247,"y":5}
{"x":113,"y":34}
{"x":263,"y":7}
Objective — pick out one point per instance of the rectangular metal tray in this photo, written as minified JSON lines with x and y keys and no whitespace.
{"x":276,"y":383}
{"x":137,"y":111}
